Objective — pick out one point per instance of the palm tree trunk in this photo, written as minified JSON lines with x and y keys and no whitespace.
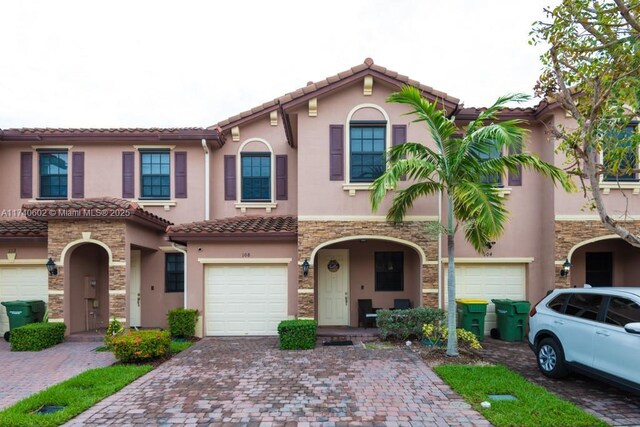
{"x":452,"y":341}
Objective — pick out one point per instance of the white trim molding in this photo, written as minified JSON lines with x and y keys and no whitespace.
{"x":430,"y":291}
{"x":117,"y":292}
{"x":607,"y":186}
{"x":373,"y":218}
{"x":52,"y":147}
{"x":416,"y":247}
{"x":167,"y":204}
{"x":491,"y":260}
{"x":306,"y":291}
{"x":70,"y":245}
{"x":154,"y":147}
{"x":18,"y":261}
{"x":266,"y":205}
{"x":244,"y":260}
{"x":588,"y":241}
{"x":55,"y":292}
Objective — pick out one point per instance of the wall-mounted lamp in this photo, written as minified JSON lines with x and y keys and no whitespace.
{"x":51,"y":267}
{"x":305,"y":268}
{"x":566,"y":266}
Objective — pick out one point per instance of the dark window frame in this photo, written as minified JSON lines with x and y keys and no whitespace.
{"x":362,"y":125}
{"x":42,"y":177}
{"x":165,"y":185}
{"x":250,"y":183}
{"x":383,"y":277}
{"x":580,"y":314}
{"x":631,"y":158}
{"x":613,"y":322}
{"x":174,"y":272}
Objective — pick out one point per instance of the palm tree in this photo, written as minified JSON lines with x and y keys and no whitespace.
{"x":459,"y":167}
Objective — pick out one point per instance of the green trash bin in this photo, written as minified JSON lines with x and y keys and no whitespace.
{"x":22,"y":313}
{"x":511,"y":318}
{"x":471,"y":313}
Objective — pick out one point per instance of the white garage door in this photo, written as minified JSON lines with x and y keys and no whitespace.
{"x":490,"y":281}
{"x":21,"y":283}
{"x":245,"y":299}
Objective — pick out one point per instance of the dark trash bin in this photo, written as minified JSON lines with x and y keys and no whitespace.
{"x":22,"y":313}
{"x":511,"y":318}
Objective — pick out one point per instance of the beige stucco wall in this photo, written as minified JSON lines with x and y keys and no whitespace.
{"x":103,"y":174}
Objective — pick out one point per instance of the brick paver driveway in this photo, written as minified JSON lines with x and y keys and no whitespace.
{"x":614,"y":406}
{"x":24,"y":373}
{"x":248,"y":381}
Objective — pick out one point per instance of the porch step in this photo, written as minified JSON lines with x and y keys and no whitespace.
{"x":85,"y":337}
{"x":347,"y":334}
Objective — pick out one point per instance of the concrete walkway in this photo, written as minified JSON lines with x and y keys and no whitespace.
{"x":24,"y":373}
{"x":247,"y":381}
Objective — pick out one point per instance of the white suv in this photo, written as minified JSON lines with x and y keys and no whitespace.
{"x":594,"y":331}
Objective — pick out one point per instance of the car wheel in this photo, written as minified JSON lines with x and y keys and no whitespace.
{"x":551,"y":359}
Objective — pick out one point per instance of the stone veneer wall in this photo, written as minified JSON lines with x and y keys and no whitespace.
{"x":109,"y":232}
{"x":571,"y":233}
{"x":311,"y":234}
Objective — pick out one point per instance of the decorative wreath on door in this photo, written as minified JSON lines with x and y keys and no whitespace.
{"x":333,"y":265}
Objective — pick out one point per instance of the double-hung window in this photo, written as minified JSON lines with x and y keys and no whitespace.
{"x":53,"y":174}
{"x":492,"y":153}
{"x":256,"y":177}
{"x":155,"y":177}
{"x":622,"y":159}
{"x":174,"y":272}
{"x":367,"y":145}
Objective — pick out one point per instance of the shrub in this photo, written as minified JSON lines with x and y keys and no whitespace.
{"x":182,"y":322}
{"x":297,"y":334}
{"x":37,"y":336}
{"x":438,"y":335}
{"x":403,"y":324}
{"x":115,"y":328}
{"x":141,"y":346}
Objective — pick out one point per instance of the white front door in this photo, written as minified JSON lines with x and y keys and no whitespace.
{"x":333,"y":287}
{"x":134,"y":289}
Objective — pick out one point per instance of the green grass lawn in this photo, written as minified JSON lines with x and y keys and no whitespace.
{"x":178,"y":346}
{"x":535,"y":406}
{"x":76,"y":394}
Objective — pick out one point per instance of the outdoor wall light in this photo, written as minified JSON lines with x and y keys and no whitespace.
{"x":51,"y":266}
{"x":566,"y":266}
{"x":305,"y":268}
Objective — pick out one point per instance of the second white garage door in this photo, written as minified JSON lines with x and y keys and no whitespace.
{"x":21,"y":283}
{"x":490,"y":281}
{"x":245,"y":299}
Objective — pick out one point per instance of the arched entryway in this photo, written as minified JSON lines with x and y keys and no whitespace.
{"x":372,"y":268}
{"x":87,"y":287}
{"x":604,"y":261}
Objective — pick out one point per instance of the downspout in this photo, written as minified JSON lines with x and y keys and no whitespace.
{"x":183,"y":251}
{"x":207,"y":172}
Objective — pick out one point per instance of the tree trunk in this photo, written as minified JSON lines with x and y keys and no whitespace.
{"x":452,"y":341}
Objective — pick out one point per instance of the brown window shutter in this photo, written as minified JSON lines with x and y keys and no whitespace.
{"x":128,"y":174}
{"x":77,"y":175}
{"x":26,"y":175}
{"x":398,"y":137}
{"x":180,"y":170}
{"x":515,"y":179}
{"x":230,"y":177}
{"x":336,"y":152}
{"x":281,"y":177}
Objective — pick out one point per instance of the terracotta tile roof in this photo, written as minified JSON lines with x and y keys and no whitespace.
{"x":94,"y":208}
{"x":470,"y":113}
{"x":368,"y":67}
{"x":22,"y":228}
{"x":160,"y":133}
{"x":247,"y":226}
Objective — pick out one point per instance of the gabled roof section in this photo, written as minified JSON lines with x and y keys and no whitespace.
{"x":241,"y":227}
{"x":23,"y":228}
{"x":110,"y":134}
{"x":106,"y":208}
{"x":313,"y":90}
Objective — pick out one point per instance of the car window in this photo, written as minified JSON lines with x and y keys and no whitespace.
{"x":557,"y":304}
{"x":622,"y":311}
{"x":585,"y":306}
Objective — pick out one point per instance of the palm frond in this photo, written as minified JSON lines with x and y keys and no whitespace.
{"x":404,"y":199}
{"x":491,"y":112}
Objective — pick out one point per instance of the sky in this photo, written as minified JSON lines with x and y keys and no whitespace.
{"x":194,"y":63}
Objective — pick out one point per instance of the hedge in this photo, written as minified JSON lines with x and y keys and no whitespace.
{"x":403,"y":324}
{"x":182,"y":322}
{"x":37,"y":336}
{"x":297,"y":334}
{"x":141,"y":346}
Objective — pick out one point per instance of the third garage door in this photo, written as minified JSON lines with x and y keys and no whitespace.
{"x":245,"y":299}
{"x":489,"y":281}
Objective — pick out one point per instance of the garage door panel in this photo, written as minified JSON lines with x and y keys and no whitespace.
{"x":245,"y":300}
{"x":492,"y":281}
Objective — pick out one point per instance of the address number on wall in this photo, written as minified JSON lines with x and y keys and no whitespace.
{"x":246,"y":254}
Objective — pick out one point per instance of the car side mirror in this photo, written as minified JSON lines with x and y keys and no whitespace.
{"x":632,"y":328}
